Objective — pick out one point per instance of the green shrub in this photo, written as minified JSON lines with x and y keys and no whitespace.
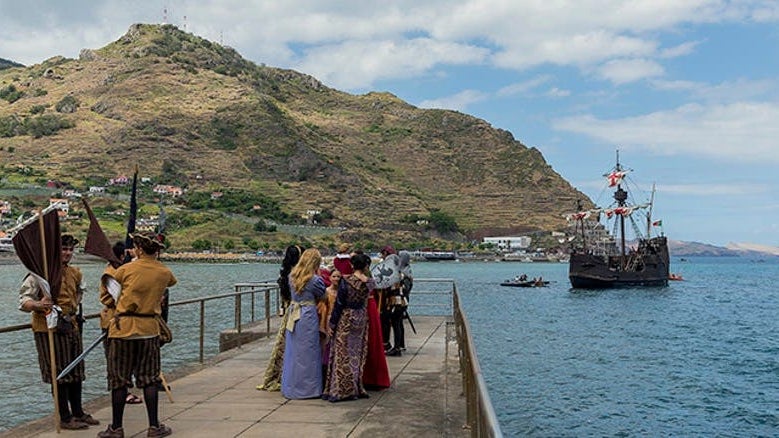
{"x":67,"y":104}
{"x":11,"y":94}
{"x":45,"y":125}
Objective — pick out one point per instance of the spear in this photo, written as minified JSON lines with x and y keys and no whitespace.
{"x":128,"y":242}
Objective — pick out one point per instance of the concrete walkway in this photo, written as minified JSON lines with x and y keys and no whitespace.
{"x":220,"y":400}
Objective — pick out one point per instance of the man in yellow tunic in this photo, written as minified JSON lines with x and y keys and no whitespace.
{"x":67,"y":340}
{"x":134,"y":349}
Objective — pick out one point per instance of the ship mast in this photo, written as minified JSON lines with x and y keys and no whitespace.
{"x":649,"y":213}
{"x":621,"y":196}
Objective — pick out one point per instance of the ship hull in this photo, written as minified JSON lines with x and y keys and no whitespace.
{"x":647,"y":267}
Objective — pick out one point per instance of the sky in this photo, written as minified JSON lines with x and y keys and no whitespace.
{"x":686,"y":90}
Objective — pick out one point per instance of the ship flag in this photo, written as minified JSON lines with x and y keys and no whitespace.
{"x":616,"y":177}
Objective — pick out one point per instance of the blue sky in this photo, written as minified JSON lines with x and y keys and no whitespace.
{"x":687,"y":90}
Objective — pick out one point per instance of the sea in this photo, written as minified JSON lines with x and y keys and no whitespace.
{"x":699,"y":357}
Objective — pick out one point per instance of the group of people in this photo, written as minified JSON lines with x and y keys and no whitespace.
{"x":133,"y":295}
{"x":330,"y":342}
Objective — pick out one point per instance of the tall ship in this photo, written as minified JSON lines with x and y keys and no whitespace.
{"x":603,"y":255}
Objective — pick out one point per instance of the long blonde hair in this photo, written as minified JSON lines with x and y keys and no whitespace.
{"x":307,"y":267}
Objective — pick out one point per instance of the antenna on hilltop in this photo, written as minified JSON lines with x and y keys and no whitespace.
{"x":221,"y":38}
{"x":165,"y":15}
{"x":185,"y":23}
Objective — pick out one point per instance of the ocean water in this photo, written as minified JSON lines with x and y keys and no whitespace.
{"x":697,"y":358}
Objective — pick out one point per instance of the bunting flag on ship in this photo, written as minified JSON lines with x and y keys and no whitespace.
{"x":97,"y":243}
{"x":657,"y":223}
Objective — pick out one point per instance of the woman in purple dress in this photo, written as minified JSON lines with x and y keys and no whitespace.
{"x":301,"y":375}
{"x":349,"y":346}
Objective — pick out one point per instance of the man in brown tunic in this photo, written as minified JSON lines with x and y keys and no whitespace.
{"x":134,"y":349}
{"x":67,"y":340}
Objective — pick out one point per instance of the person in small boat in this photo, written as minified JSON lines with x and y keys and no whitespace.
{"x":540,"y":281}
{"x":523,"y":277}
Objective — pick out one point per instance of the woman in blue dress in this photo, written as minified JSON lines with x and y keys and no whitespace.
{"x":301,"y":375}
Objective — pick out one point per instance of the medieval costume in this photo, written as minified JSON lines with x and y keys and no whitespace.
{"x":301,"y":375}
{"x":349,"y":347}
{"x":271,"y":380}
{"x":134,"y":349}
{"x":67,"y":339}
{"x":375,"y":373}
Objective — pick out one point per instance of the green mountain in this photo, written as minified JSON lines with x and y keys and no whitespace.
{"x":195,"y":114}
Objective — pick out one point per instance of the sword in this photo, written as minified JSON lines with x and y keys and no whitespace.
{"x":81,"y":356}
{"x":410,"y":322}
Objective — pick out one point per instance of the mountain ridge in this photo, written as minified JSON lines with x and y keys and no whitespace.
{"x":193,"y":113}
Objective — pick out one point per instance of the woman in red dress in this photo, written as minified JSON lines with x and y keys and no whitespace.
{"x":375,"y":374}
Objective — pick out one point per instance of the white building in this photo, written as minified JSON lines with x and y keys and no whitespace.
{"x":509,"y":243}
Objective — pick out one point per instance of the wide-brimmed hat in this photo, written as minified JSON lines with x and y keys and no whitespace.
{"x":157,"y":239}
{"x":68,"y":240}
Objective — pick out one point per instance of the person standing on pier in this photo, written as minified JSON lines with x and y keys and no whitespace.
{"x":67,"y":339}
{"x":109,"y":309}
{"x":301,"y":374}
{"x":343,"y":259}
{"x":134,"y":348}
{"x":375,"y":372}
{"x":349,"y":324}
{"x":271,"y":380}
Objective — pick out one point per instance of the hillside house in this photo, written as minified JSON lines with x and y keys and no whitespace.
{"x":96,"y":189}
{"x":120,"y":180}
{"x":5,"y":207}
{"x":509,"y":243}
{"x":62,"y":205}
{"x":163,"y":189}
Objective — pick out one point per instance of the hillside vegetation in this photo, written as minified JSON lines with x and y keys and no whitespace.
{"x":195,"y":114}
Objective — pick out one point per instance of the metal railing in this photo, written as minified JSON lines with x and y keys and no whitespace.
{"x":481,"y":417}
{"x":268,"y":290}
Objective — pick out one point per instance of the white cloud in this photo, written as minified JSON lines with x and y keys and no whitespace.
{"x":458,"y":102}
{"x":557,"y":92}
{"x":358,"y":64}
{"x":520,"y":88}
{"x":741,"y":132}
{"x":386,"y":41}
{"x":713,"y":189}
{"x":621,"y":71}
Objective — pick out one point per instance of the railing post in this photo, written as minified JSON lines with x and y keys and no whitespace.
{"x":202,"y":327}
{"x":238,"y":318}
{"x":267,"y":310}
{"x":254,"y":291}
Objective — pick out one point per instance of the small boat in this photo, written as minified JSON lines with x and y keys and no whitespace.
{"x":600,"y":256}
{"x":675,"y":277}
{"x":6,"y":244}
{"x":526,"y":283}
{"x":435,"y":256}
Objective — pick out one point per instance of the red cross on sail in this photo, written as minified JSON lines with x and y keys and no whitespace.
{"x":615,"y":177}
